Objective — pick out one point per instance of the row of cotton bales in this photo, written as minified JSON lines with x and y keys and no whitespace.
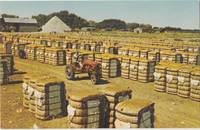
{"x":58,"y":56}
{"x":143,"y":42}
{"x":46,"y":97}
{"x":178,"y":79}
{"x":153,"y":51}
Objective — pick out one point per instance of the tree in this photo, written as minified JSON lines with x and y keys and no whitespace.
{"x":171,"y":29}
{"x":145,"y":26}
{"x":92,"y":23}
{"x":71,"y":20}
{"x":132,"y":26}
{"x":9,"y":16}
{"x":111,"y":24}
{"x":156,"y":28}
{"x":41,"y":19}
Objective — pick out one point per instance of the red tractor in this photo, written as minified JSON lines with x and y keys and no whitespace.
{"x":82,"y":65}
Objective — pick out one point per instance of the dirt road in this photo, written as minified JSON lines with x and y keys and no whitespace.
{"x":170,"y":110}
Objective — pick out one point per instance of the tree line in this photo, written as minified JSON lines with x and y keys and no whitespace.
{"x":70,"y":19}
{"x":76,"y":22}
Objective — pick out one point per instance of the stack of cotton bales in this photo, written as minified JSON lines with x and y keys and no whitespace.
{"x":87,"y":109}
{"x":114,"y":96}
{"x":135,"y":113}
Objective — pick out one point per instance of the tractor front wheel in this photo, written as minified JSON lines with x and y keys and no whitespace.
{"x":93,"y":78}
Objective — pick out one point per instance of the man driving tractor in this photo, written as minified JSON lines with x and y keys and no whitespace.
{"x":76,"y":57}
{"x":90,"y":67}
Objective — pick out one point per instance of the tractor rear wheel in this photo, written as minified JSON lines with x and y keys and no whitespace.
{"x":95,"y":76}
{"x":89,"y":74}
{"x":69,"y":72}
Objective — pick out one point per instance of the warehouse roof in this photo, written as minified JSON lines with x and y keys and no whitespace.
{"x":20,"y":20}
{"x":55,"y":25}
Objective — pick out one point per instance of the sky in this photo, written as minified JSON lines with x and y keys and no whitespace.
{"x":161,"y":13}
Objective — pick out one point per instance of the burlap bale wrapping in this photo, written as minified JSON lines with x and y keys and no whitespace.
{"x":172,"y":78}
{"x":3,"y":72}
{"x":30,"y":51}
{"x":185,"y":57}
{"x":40,"y":54}
{"x":167,"y":56}
{"x":154,"y":55}
{"x":184,"y":81}
{"x":44,"y":95}
{"x":50,"y":98}
{"x":110,"y":66}
{"x":86,"y":109}
{"x":134,"y":52}
{"x":123,"y":51}
{"x":160,"y":78}
{"x":55,"y":56}
{"x":114,"y":96}
{"x":135,"y":113}
{"x":145,"y":70}
{"x":195,"y":85}
{"x":125,"y":68}
{"x":9,"y":62}
{"x":144,"y":54}
{"x":134,"y":64}
{"x":192,"y":58}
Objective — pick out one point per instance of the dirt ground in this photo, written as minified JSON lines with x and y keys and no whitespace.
{"x":170,"y":110}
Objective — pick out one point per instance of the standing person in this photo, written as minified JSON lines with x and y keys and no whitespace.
{"x":76,"y":56}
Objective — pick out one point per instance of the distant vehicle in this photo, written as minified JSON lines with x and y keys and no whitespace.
{"x":83,"y":66}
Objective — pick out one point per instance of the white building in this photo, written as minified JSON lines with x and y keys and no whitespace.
{"x":55,"y":25}
{"x":138,"y":30}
